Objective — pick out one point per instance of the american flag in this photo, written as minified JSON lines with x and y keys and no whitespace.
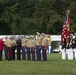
{"x":65,"y":29}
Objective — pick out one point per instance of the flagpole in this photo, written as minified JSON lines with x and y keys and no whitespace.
{"x":70,"y":1}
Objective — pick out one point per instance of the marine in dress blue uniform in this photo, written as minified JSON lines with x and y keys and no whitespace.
{"x":69,"y":48}
{"x":74,"y":46}
{"x":63,"y":48}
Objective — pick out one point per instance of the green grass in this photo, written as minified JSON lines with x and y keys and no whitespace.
{"x":54,"y":66}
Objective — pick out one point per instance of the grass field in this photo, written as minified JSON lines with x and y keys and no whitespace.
{"x":54,"y":66}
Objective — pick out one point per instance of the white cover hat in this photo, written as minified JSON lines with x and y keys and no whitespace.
{"x":37,"y":33}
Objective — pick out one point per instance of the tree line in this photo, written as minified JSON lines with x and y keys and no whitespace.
{"x":29,"y":16}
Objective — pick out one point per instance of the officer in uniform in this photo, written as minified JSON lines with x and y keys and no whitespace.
{"x":13,"y":47}
{"x":69,"y":48}
{"x":18,"y":46}
{"x":28,"y":48}
{"x":38,"y":47}
{"x":63,"y":48}
{"x":33,"y":48}
{"x":74,"y":46}
{"x":5,"y":48}
{"x":23,"y":48}
{"x":44,"y":47}
{"x":9,"y":48}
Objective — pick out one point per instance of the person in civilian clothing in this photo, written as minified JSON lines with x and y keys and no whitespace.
{"x":1,"y":48}
{"x":18,"y":46}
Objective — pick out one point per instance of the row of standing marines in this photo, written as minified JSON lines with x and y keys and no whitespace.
{"x":28,"y":48}
{"x":69,"y":48}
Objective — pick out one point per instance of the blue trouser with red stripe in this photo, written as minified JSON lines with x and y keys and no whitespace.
{"x":9,"y":52}
{"x":33,"y":53}
{"x":28,"y":53}
{"x":6,"y":53}
{"x":38,"y":53}
{"x":44,"y":55}
{"x":13,"y":53}
{"x":23,"y":53}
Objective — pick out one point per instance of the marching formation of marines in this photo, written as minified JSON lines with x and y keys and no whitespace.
{"x":31,"y":49}
{"x":69,"y":49}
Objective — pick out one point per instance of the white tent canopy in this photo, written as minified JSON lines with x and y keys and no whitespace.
{"x":55,"y":38}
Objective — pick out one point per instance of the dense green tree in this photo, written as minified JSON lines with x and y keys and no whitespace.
{"x":73,"y":17}
{"x":30,"y":16}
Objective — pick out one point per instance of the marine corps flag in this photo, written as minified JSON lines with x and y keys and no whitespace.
{"x":67,"y":24}
{"x":65,"y":29}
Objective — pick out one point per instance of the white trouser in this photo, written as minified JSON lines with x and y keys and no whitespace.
{"x":63,"y":54}
{"x":74,"y":53}
{"x":49,"y":49}
{"x":70,"y":54}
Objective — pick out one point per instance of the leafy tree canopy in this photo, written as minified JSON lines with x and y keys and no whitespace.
{"x":30,"y":16}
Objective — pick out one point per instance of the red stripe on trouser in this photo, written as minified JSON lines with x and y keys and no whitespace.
{"x":24,"y":55}
{"x":33,"y":54}
{"x":40,"y":54}
{"x":10,"y":52}
{"x":28,"y":53}
{"x":44,"y":54}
